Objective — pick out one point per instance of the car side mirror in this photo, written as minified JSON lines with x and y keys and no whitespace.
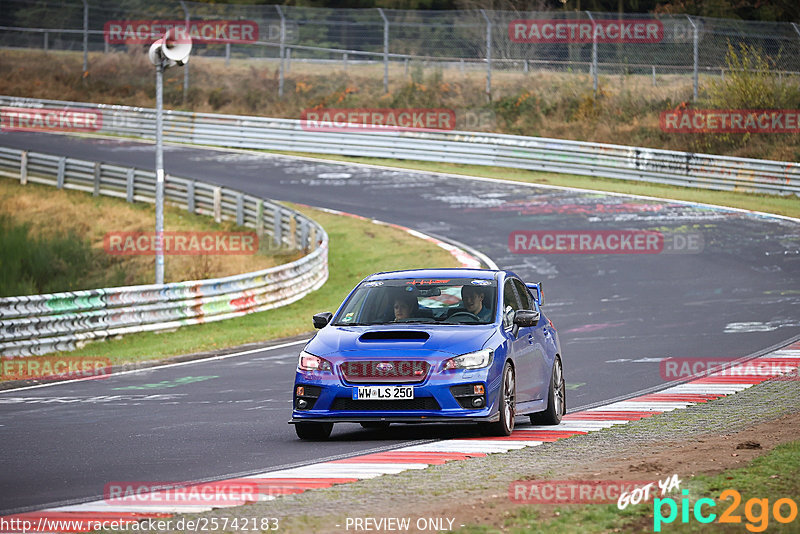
{"x":526,"y":318}
{"x":321,"y":320}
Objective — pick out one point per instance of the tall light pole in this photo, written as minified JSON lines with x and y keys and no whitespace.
{"x":172,"y":49}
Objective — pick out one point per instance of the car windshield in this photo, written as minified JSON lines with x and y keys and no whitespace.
{"x":416,"y":300}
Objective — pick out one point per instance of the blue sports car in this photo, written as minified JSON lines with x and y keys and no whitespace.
{"x":444,"y":345}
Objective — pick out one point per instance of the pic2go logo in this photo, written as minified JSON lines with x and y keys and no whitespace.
{"x":756,"y":511}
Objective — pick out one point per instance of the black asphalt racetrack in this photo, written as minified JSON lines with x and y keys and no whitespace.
{"x":618,"y":315}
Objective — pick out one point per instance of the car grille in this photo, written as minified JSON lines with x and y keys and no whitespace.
{"x":384,"y":372}
{"x":350,"y":405}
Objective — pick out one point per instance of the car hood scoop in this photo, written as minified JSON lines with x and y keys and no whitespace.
{"x":395,"y":335}
{"x":453,"y":339}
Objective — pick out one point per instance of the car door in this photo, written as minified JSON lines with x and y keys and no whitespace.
{"x":520,"y":345}
{"x":536,"y":338}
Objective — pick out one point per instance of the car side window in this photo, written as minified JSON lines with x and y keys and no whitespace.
{"x":510,"y":303}
{"x":525,"y":295}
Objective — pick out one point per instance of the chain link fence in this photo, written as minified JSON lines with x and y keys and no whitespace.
{"x":387,"y":40}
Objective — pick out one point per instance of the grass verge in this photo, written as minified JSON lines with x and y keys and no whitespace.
{"x":53,"y":240}
{"x":781,"y":205}
{"x":357,"y":248}
{"x":769,"y":478}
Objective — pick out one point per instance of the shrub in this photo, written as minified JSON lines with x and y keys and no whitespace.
{"x":31,"y":265}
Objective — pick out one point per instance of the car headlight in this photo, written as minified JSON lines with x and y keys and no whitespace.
{"x":473,"y":360}
{"x":309,"y":362}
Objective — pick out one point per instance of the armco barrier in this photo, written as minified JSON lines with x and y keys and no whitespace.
{"x":39,"y":324}
{"x":552,"y":155}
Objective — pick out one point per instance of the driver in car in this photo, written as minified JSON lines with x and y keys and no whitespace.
{"x":404,"y":306}
{"x":472,"y":298}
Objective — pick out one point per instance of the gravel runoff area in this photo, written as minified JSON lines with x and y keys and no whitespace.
{"x":460,"y":489}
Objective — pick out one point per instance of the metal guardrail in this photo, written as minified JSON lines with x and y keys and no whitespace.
{"x":703,"y":171}
{"x":39,"y":324}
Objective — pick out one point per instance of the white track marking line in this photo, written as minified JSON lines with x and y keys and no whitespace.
{"x":611,"y":422}
{"x":102,"y":506}
{"x":465,"y":446}
{"x":635,"y":406}
{"x":784,"y":353}
{"x":575,"y":425}
{"x":703,"y":389}
{"x":166,"y":365}
{"x":327,"y":470}
{"x":388,"y":467}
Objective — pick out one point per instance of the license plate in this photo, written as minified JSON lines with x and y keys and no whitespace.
{"x":383,"y":392}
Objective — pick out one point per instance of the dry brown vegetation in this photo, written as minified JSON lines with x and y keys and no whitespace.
{"x":50,"y":213}
{"x":539,"y":103}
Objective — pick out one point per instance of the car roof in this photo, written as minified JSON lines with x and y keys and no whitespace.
{"x":480,"y":274}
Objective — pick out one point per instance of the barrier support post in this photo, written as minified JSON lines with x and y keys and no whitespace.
{"x":96,"y":191}
{"x":62,"y":165}
{"x":23,"y":168}
{"x":240,"y":209}
{"x":190,"y":202}
{"x":218,"y":205}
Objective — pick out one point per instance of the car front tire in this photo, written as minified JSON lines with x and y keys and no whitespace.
{"x":507,"y":407}
{"x":557,"y":399}
{"x":313,"y":431}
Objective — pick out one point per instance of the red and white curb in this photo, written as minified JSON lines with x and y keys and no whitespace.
{"x":273,"y":484}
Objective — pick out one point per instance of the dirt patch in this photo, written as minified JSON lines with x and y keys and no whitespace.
{"x":708,"y":455}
